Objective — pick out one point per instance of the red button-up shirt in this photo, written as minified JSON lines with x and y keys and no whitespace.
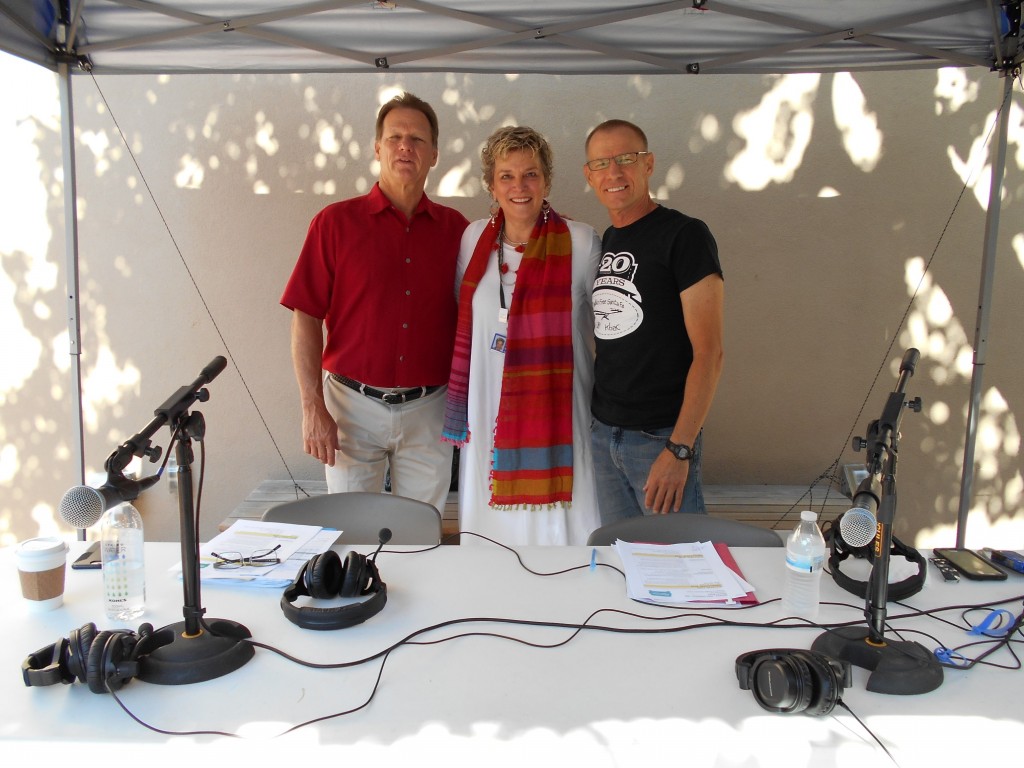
{"x":385,"y":287}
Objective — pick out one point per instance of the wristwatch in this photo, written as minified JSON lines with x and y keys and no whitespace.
{"x":681,"y":451}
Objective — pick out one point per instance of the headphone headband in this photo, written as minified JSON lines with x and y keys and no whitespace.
{"x":839,"y":550}
{"x":44,"y":667}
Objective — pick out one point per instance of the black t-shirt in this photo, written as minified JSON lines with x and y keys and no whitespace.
{"x":643,"y":352}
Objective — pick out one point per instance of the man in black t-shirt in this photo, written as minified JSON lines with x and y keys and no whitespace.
{"x":658,"y":325}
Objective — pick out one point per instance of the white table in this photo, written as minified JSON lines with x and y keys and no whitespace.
{"x":603,"y":699}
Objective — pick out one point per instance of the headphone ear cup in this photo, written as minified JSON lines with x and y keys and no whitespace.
{"x":323,"y":575}
{"x":825,"y":688}
{"x":79,"y":643}
{"x":783,"y":684}
{"x":108,"y":650}
{"x":95,"y":661}
{"x":354,"y":578}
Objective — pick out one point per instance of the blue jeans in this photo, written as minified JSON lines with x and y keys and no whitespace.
{"x":622,"y":461}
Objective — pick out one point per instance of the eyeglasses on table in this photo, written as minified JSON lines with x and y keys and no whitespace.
{"x":262,"y":558}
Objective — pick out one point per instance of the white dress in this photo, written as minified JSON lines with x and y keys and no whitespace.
{"x":555,"y":525}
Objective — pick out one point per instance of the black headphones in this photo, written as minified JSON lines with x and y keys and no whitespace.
{"x":839,"y":550}
{"x":792,"y":680}
{"x":325,"y":576}
{"x":104,"y":660}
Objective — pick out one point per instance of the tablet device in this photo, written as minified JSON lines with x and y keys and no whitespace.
{"x":90,"y":559}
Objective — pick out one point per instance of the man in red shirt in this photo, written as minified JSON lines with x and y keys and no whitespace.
{"x":378,"y":271}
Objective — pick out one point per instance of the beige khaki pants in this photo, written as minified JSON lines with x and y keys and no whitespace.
{"x":374,"y":435}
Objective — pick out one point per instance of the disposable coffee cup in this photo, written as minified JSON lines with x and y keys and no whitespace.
{"x":41,"y":564}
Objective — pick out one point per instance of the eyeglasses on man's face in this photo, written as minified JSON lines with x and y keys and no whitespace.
{"x":263,"y":558}
{"x":626,"y":158}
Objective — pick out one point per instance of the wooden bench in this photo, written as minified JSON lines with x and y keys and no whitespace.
{"x":767,"y":506}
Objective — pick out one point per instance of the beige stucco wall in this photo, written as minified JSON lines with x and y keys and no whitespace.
{"x":828,"y":194}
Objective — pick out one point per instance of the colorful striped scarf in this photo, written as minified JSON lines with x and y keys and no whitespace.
{"x":531,"y":462}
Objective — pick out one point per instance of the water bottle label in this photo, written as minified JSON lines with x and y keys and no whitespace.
{"x":805,"y":564}
{"x":124,"y":579}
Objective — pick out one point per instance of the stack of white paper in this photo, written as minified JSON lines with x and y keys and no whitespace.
{"x":681,"y":574}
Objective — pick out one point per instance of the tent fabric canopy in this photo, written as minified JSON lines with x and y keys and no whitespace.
{"x":511,"y":36}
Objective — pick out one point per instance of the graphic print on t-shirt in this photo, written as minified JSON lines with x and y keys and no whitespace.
{"x":617,"y":310}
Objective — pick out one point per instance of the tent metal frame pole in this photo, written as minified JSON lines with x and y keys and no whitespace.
{"x":67,"y":132}
{"x":981,"y":328}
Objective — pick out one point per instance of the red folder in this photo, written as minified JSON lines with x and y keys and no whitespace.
{"x":723,"y":552}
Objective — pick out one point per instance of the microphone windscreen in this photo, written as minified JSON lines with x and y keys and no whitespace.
{"x":82,"y":506}
{"x":384,"y":536}
{"x":857,"y":527}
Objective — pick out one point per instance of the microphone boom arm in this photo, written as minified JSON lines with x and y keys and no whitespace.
{"x":172,"y":411}
{"x":883,"y":451}
{"x":899,"y":667}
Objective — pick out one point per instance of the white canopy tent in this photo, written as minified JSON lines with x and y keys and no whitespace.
{"x":569,"y":37}
{"x":526,"y":36}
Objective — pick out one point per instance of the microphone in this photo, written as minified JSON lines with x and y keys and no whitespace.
{"x":859,"y":524}
{"x":384,"y":536}
{"x":83,"y":506}
{"x":857,"y":527}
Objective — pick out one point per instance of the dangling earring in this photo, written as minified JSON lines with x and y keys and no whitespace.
{"x":494,"y":211}
{"x":545,"y":209}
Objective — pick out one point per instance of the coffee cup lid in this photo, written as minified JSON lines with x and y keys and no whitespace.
{"x":46,"y":546}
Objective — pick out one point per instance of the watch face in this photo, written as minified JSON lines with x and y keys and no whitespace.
{"x":679,"y":451}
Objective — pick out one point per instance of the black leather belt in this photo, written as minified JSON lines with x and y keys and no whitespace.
{"x":390,"y":398}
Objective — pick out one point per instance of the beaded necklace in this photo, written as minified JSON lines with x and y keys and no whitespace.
{"x":503,"y":269}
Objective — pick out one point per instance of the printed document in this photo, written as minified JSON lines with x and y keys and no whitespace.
{"x":682,"y":574}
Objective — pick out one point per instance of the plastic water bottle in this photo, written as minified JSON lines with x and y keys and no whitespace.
{"x":805,"y":558}
{"x":122,"y":556}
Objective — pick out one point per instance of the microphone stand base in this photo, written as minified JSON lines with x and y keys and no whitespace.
{"x":179,"y":659}
{"x":898,"y":667}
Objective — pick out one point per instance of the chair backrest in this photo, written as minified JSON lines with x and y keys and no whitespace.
{"x":360,"y":516}
{"x":682,"y":527}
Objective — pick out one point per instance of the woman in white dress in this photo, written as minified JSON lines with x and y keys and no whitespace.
{"x":522,"y":372}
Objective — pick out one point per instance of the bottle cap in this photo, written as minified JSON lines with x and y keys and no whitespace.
{"x":809,"y":515}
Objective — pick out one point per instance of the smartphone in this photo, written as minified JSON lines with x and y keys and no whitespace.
{"x":1008,"y":559}
{"x":89,"y":559}
{"x":971,"y":564}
